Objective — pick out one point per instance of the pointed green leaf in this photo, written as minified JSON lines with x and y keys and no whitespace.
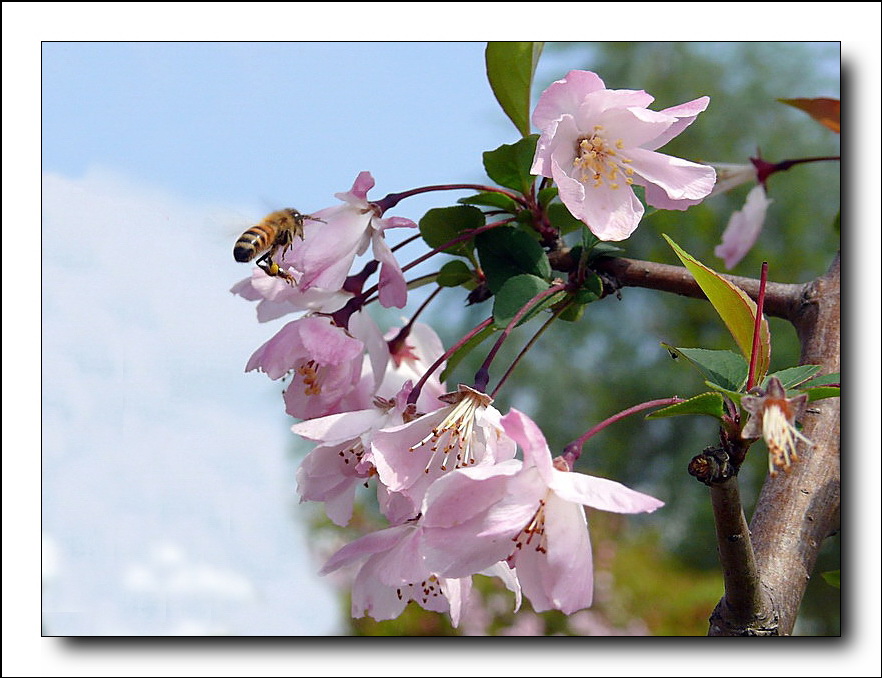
{"x":826,"y":386}
{"x":793,"y":376}
{"x":491,"y":199}
{"x":734,"y":396}
{"x":732,"y":304}
{"x":510,"y":69}
{"x":724,"y":368}
{"x":823,"y":380}
{"x":709,"y":403}
{"x":509,"y":164}
{"x":821,"y":392}
{"x":506,"y":251}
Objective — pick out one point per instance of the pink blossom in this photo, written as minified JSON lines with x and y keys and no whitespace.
{"x":342,"y":460}
{"x":276,"y":297}
{"x":328,"y":249}
{"x":464,"y":433}
{"x":324,"y":362}
{"x":393,"y":573}
{"x":532,"y":516}
{"x":744,"y":227}
{"x":409,"y":360}
{"x":595,"y":143}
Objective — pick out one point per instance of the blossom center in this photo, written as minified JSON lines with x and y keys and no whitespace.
{"x":353,"y":453}
{"x":599,"y":162}
{"x":533,"y":533}
{"x":451,"y":440}
{"x":781,"y":436}
{"x":422,"y":592}
{"x":309,"y":372}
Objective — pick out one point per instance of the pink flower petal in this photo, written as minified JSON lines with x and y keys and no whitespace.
{"x":685,"y":114}
{"x":601,"y":493}
{"x":679,"y":179}
{"x":744,"y":228}
{"x":564,"y":97}
{"x":529,"y":436}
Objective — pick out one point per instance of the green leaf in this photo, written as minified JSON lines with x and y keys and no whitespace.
{"x":509,"y":165}
{"x":724,"y":368}
{"x":573,"y":312}
{"x":826,"y":386}
{"x":546,"y":195}
{"x":832,"y":577}
{"x":710,"y":403}
{"x":491,"y":199}
{"x":562,"y":219}
{"x":823,"y":380}
{"x":732,"y":304}
{"x":822,"y":392}
{"x":518,"y":292}
{"x":506,"y":251}
{"x":441,"y":225}
{"x":793,"y":376}
{"x":464,"y":350}
{"x":454,"y":273}
{"x":510,"y":69}
{"x":734,"y":396}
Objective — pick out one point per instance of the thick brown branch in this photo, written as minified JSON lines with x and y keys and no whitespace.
{"x":797,"y":510}
{"x":782,"y":300}
{"x":746,"y":608}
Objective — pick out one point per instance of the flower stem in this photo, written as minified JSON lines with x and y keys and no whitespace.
{"x":526,"y":348}
{"x":468,"y":235}
{"x":415,"y":393}
{"x":396,"y":342}
{"x":483,"y":374}
{"x":393,"y":199}
{"x":574,"y":449}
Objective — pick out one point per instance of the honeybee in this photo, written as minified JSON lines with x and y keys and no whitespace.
{"x":276,"y":232}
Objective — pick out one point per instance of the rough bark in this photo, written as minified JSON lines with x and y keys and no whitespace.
{"x":796,"y":510}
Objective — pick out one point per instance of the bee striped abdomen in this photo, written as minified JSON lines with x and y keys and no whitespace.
{"x":254,"y":241}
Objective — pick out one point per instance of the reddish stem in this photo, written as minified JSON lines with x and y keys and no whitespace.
{"x":393,"y":199}
{"x":483,"y":374}
{"x":415,"y":393}
{"x":574,"y":449}
{"x":757,"y":324}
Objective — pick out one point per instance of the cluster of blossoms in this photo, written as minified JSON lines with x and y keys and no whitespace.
{"x":458,"y":498}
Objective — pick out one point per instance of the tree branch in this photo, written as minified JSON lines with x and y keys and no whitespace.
{"x":782,"y":299}
{"x":796,"y":510}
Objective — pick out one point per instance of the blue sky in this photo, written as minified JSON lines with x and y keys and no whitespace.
{"x":168,"y":503}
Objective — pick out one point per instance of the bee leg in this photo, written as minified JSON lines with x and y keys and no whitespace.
{"x":270,"y":267}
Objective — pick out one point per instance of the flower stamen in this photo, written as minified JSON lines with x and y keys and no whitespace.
{"x":534,"y":528}
{"x":598,"y":160}
{"x":451,"y":440}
